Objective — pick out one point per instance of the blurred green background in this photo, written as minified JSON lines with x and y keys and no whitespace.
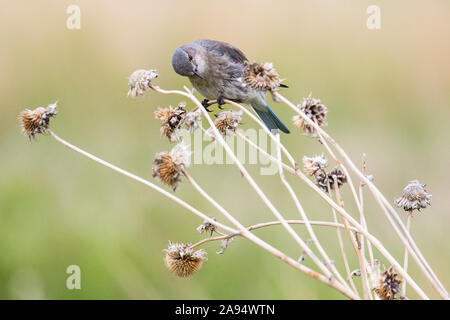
{"x":388,"y":96}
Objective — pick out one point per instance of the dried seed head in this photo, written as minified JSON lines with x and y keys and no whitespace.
{"x":192,"y":120}
{"x":388,"y":285}
{"x":261,"y":77}
{"x":227,"y":121}
{"x":37,"y":120}
{"x":140,"y":81}
{"x":167,"y":167}
{"x":414,"y":197}
{"x":312,"y":165}
{"x":323,"y":179}
{"x":314,"y":110}
{"x":207,"y":227}
{"x":182,"y":260}
{"x":171,"y":120}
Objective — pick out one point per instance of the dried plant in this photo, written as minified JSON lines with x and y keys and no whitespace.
{"x":310,"y":117}
{"x":171,"y":120}
{"x":414,"y":197}
{"x":388,"y":286}
{"x":167,"y":167}
{"x":37,"y":121}
{"x":315,"y":111}
{"x":262,"y":77}
{"x":226,"y":122}
{"x":182,"y":260}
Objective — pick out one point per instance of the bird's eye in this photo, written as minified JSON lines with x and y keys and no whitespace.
{"x":190,"y":57}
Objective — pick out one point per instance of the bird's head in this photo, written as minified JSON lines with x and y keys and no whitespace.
{"x":184,"y":62}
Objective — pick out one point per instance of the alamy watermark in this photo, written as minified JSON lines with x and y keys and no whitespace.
{"x":73,"y":22}
{"x":374,"y":19}
{"x":74,"y":280}
{"x":207,"y":151}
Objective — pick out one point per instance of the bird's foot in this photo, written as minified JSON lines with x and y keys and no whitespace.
{"x":206,"y":104}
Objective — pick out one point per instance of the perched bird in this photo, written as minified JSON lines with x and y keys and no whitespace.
{"x":217,"y":70}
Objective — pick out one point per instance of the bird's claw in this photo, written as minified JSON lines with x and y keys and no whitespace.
{"x":205,"y":104}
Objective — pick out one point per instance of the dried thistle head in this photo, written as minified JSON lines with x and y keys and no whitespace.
{"x":314,"y":110}
{"x":311,"y":166}
{"x":388,"y":285}
{"x":140,"y":81}
{"x":182,"y":260}
{"x":37,"y":120}
{"x":261,"y":77}
{"x":414,"y":197}
{"x":167,"y":167}
{"x":191,"y":120}
{"x":171,"y":120}
{"x":227,"y":121}
{"x":324,"y":178}
{"x":207,"y":227}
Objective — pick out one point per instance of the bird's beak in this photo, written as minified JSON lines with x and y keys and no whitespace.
{"x":198,"y":74}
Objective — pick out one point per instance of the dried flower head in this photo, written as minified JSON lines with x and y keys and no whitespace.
{"x":207,"y":227}
{"x":227,"y":121}
{"x":312,"y":165}
{"x":140,"y":81}
{"x":182,"y":260}
{"x":167,"y":167}
{"x":261,"y":77}
{"x":324,"y":178}
{"x":388,"y":285}
{"x":314,"y":110}
{"x":191,"y":120}
{"x":414,"y":197}
{"x":171,"y":120}
{"x":37,"y":120}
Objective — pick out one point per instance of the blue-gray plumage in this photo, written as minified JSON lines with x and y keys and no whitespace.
{"x":216,"y":69}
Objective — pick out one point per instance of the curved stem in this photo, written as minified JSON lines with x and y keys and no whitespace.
{"x":143,"y":181}
{"x":273,"y":223}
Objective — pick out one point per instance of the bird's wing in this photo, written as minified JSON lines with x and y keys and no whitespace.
{"x":223,"y":48}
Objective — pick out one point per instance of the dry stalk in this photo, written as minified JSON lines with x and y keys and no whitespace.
{"x":405,"y":260}
{"x":356,"y":247}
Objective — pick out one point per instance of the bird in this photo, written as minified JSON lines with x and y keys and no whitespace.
{"x":216,"y":70}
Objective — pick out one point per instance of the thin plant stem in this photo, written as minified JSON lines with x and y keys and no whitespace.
{"x":269,"y":224}
{"x":361,"y":259}
{"x":304,"y":216}
{"x":363,"y":217}
{"x":143,"y":181}
{"x":340,"y":241}
{"x":405,"y":260}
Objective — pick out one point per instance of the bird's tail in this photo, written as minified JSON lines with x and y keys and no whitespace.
{"x":271,"y":120}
